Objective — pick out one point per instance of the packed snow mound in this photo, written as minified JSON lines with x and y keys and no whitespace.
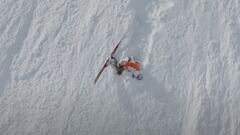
{"x":51,"y":51}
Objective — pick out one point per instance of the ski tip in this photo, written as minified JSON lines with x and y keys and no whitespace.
{"x":95,"y":81}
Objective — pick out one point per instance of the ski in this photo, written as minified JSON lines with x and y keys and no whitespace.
{"x":106,"y":63}
{"x":100,"y":72}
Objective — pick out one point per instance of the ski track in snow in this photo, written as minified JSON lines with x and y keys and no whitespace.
{"x":50,"y":52}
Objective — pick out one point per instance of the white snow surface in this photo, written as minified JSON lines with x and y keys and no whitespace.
{"x":52,"y":50}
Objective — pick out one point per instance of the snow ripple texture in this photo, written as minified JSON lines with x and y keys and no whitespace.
{"x":51,"y":51}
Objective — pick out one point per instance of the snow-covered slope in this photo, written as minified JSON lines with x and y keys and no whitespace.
{"x":51,"y":51}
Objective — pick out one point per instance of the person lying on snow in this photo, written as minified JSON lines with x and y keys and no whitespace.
{"x":128,"y":64}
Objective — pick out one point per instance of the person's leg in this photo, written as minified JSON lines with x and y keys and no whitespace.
{"x":119,"y":69}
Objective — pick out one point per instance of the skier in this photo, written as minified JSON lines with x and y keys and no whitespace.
{"x":129,"y":64}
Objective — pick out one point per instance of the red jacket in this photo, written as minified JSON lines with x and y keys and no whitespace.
{"x":131,"y":65}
